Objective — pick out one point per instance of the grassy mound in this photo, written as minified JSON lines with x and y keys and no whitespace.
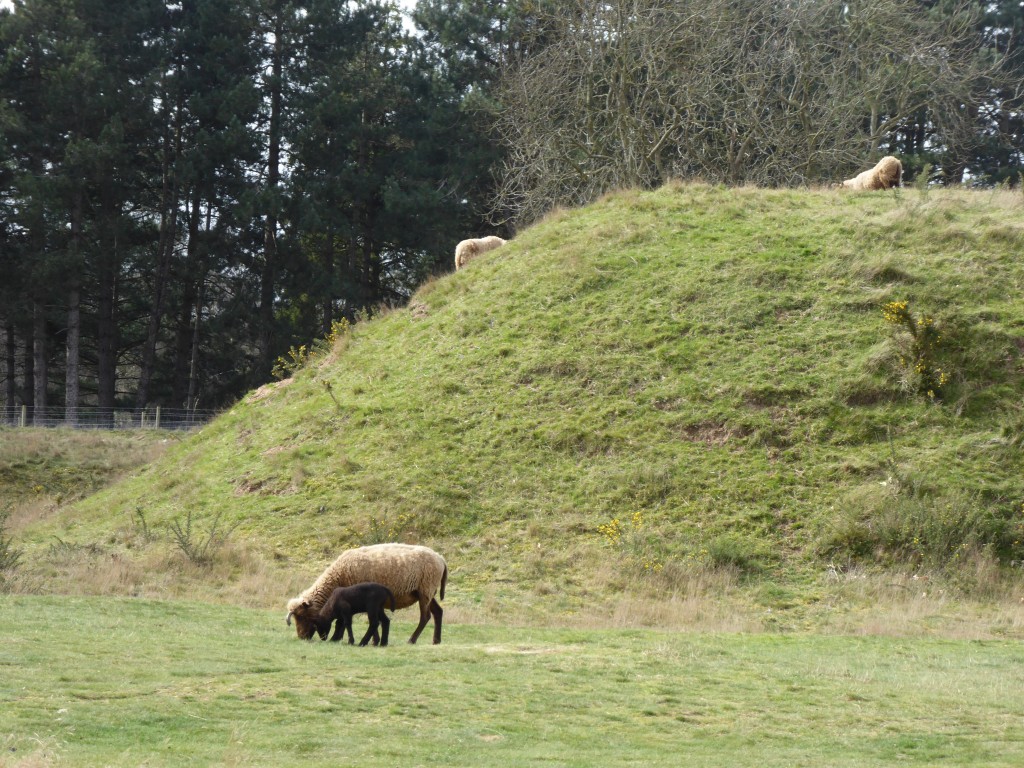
{"x":779,"y":386}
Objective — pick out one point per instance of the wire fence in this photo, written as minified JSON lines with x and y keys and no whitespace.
{"x":105,"y":418}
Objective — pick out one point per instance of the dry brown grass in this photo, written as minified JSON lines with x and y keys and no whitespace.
{"x":853,"y":602}
{"x":26,"y":513}
{"x":691,"y":612}
{"x":155,"y":568}
{"x":111,"y":450}
{"x":695,"y":597}
{"x":910,"y":604}
{"x":43,"y":756}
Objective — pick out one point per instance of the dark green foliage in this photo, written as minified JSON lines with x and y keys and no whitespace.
{"x":998,"y":154}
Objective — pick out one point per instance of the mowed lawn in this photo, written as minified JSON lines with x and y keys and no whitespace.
{"x":101,"y":681}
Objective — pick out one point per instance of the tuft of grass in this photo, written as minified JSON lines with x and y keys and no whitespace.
{"x":743,"y":553}
{"x":10,"y":555}
{"x":934,"y":531}
{"x":197,"y":548}
{"x":382,"y":530}
{"x":142,"y":526}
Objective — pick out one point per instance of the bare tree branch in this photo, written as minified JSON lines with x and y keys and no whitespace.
{"x":632,"y":92}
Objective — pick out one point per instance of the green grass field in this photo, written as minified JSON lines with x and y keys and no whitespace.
{"x":100,"y":681}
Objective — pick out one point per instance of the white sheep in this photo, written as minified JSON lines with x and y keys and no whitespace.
{"x":888,"y":172}
{"x":413,"y":573}
{"x":470,"y":249}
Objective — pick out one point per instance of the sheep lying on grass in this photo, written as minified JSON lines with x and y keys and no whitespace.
{"x":888,"y":172}
{"x":413,"y":573}
{"x":470,"y":249}
{"x":344,"y":602}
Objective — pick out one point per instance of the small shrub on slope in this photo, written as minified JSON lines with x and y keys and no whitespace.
{"x":920,"y":346}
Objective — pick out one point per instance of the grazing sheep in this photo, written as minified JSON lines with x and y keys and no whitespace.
{"x":413,"y":573}
{"x":888,"y":172}
{"x":344,"y":602}
{"x":470,"y":249}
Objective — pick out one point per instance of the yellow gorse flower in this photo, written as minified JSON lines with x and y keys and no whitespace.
{"x":896,"y":312}
{"x":612,"y":531}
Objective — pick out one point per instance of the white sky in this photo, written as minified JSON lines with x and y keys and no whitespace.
{"x":407,"y":5}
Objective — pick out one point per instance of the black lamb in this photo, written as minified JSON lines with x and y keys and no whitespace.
{"x":366,"y":597}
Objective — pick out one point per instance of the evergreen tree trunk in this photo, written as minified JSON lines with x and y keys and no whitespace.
{"x":11,"y":360}
{"x":184,"y":335}
{"x":28,"y":384}
{"x":193,"y":371}
{"x":73,"y":341}
{"x":170,"y":199}
{"x":40,"y":373}
{"x":106,"y":337}
{"x":327,"y":306}
{"x":71,"y":374}
{"x":268,"y":276}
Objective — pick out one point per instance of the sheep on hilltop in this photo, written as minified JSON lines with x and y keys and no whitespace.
{"x":470,"y":249}
{"x":887,"y":173}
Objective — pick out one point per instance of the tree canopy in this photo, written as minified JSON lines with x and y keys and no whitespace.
{"x":189,"y":190}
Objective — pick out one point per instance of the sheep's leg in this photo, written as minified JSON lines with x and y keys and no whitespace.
{"x":348,"y":626}
{"x":424,"y":618}
{"x":438,"y":612}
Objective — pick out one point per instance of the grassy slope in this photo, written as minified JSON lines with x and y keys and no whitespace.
{"x":61,"y":465}
{"x":161,"y":683}
{"x":714,"y":359}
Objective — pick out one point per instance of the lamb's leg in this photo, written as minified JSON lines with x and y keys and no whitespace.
{"x":371,"y":615}
{"x":385,"y":623}
{"x":344,"y":622}
{"x":339,"y":630}
{"x":348,"y":626}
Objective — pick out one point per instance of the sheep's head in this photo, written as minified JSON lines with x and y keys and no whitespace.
{"x":304,"y":619}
